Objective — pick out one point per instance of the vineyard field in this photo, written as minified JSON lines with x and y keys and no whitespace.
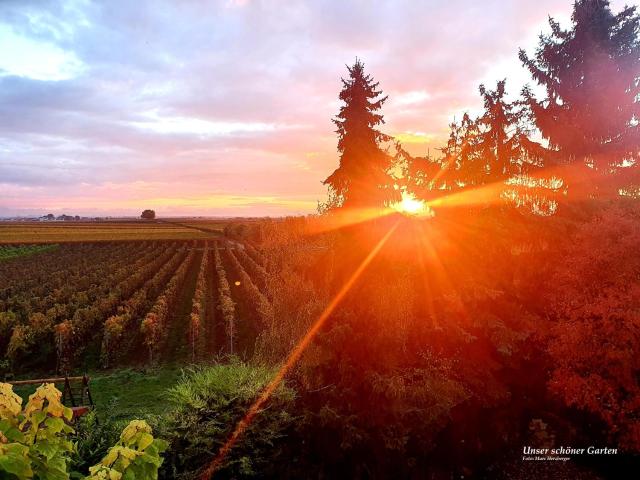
{"x":95,"y":305}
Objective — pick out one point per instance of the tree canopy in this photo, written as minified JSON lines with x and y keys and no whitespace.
{"x":148,"y":215}
{"x":589,"y":113}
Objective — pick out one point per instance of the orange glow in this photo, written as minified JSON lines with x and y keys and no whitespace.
{"x":348,"y":217}
{"x":409,"y":205}
{"x":293,"y":358}
{"x":482,"y":195}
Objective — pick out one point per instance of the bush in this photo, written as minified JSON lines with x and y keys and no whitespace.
{"x":210,"y":402}
{"x":595,"y":336}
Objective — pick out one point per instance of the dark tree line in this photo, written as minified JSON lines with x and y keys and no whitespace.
{"x":584,"y":128}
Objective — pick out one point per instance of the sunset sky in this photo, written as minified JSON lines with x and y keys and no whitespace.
{"x":224,"y":108}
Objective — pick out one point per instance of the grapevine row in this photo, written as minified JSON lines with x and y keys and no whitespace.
{"x":255,"y":270}
{"x":255,"y":298}
{"x":41,"y":324}
{"x":155,"y":327}
{"x":71,"y":337}
{"x":113,"y":344}
{"x":225,"y":302}
{"x":255,"y":255}
{"x":196,"y":319}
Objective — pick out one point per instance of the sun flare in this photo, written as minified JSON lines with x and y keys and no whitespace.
{"x":409,"y":205}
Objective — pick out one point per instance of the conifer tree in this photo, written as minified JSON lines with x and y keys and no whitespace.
{"x":362,"y":179}
{"x":590,"y":73}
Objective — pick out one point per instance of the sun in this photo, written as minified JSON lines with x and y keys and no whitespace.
{"x":409,"y":205}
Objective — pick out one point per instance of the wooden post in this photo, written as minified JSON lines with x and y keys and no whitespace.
{"x":67,"y":391}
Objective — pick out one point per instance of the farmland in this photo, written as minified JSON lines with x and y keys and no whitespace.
{"x":54,"y":232}
{"x":105,"y":304}
{"x":231,"y":307}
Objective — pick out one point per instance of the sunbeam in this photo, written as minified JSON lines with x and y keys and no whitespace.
{"x":293,"y":358}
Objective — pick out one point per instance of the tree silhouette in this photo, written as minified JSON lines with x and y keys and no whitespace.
{"x":464,"y":166}
{"x":148,"y":215}
{"x":589,"y":114}
{"x":501,"y":137}
{"x":361,"y":180}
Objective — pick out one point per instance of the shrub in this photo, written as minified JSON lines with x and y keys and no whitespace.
{"x":210,"y":401}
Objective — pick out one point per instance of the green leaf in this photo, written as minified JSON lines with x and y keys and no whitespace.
{"x":13,"y":434}
{"x":46,"y":449}
{"x":14,"y":460}
{"x":38,"y":417}
{"x":145,"y":440}
{"x":54,"y":424}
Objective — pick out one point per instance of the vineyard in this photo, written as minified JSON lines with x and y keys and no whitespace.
{"x":82,"y":306}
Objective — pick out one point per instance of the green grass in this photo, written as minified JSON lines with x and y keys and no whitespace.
{"x":134,"y":393}
{"x":128,"y":393}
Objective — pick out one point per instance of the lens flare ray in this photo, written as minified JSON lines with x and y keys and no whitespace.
{"x":293,"y":358}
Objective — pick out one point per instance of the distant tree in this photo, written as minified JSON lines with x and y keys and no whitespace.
{"x":362,"y":179}
{"x":148,"y":215}
{"x":590,"y":72}
{"x":51,"y":216}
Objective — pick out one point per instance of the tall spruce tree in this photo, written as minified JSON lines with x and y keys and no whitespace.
{"x":362,"y":179}
{"x":591,"y":75}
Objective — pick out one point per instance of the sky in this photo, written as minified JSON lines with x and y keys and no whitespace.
{"x":224,"y":108}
